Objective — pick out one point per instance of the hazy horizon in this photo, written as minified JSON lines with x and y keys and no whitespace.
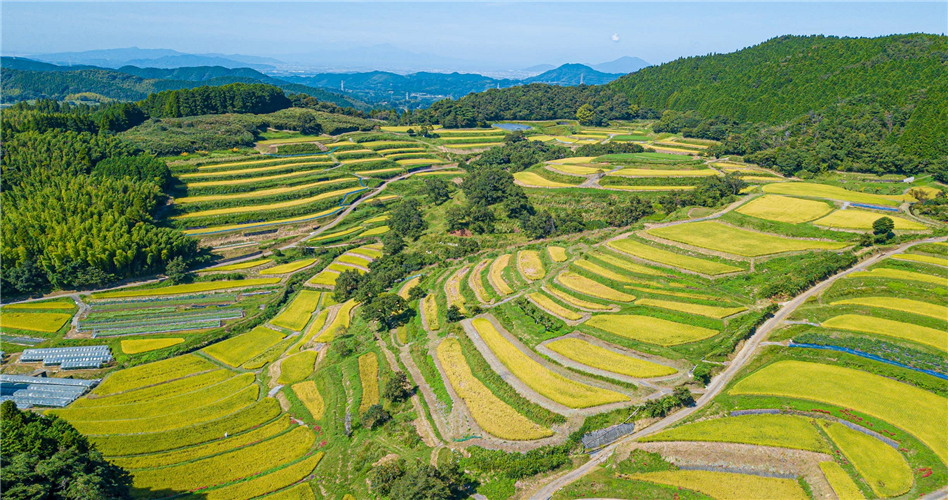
{"x":462,"y":36}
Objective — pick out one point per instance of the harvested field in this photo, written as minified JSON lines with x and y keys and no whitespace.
{"x":597,"y":357}
{"x":650,"y":330}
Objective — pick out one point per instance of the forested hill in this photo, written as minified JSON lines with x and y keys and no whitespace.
{"x":787,"y":76}
{"x":24,"y":79}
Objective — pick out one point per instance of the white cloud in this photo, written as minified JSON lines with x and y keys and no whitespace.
{"x":615,"y":37}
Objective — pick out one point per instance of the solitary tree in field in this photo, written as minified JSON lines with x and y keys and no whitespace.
{"x":585,"y":114}
{"x":883,"y":225}
{"x":177,"y":269}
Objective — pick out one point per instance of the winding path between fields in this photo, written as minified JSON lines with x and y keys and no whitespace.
{"x":721,"y":380}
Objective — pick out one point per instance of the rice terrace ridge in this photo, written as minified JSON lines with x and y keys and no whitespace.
{"x":453,"y":250}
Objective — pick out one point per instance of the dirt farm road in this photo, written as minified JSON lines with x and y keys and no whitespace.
{"x":721,"y":380}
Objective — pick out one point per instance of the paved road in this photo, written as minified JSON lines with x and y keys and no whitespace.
{"x":721,"y":380}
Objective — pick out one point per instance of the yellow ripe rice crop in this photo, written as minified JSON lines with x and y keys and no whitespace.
{"x":272,"y":206}
{"x":308,"y":393}
{"x":473,"y":146}
{"x":379,"y":145}
{"x":231,"y":227}
{"x":904,"y":305}
{"x":297,"y":314}
{"x":880,"y":326}
{"x":650,"y":330}
{"x":441,"y":172}
{"x":601,"y":271}
{"x":325,"y":277}
{"x":380,"y":171}
{"x":490,"y":413}
{"x":203,"y":286}
{"x":496,"y":275}
{"x":419,"y":161}
{"x":452,"y":289}
{"x":530,"y":265}
{"x":146,"y":345}
{"x":672,"y":294}
{"x":653,"y":254}
{"x":237,"y":350}
{"x":192,"y":416}
{"x":884,"y":468}
{"x":50,"y":304}
{"x":220,"y":173}
{"x":925,"y":259}
{"x":314,"y":327}
{"x":404,"y":128}
{"x":898,"y":274}
{"x":406,"y":288}
{"x":251,"y":161}
{"x":723,"y":238}
{"x":626,"y":265}
{"x":814,"y":190}
{"x":726,"y":485}
{"x":547,"y":383}
{"x":369,"y":376}
{"x":153,"y":373}
{"x":337,"y":234}
{"x":365,"y":160}
{"x":914,"y":410}
{"x":213,"y":448}
{"x":251,"y":180}
{"x":586,"y":286}
{"x":339,"y":267}
{"x":558,"y":254}
{"x":574,"y":301}
{"x":271,"y":482}
{"x":241,"y":265}
{"x":373,"y":250}
{"x":229,"y":466}
{"x":532,"y":179}
{"x":782,"y":431}
{"x":259,"y":194}
{"x":162,"y":390}
{"x":701,"y":310}
{"x":605,"y":359}
{"x":578,"y":170}
{"x":354,"y":260}
{"x":839,"y":480}
{"x":253,"y":416}
{"x":430,"y":304}
{"x":476,"y":282}
{"x":375,"y":231}
{"x":785,"y":209}
{"x":550,"y":305}
{"x":646,"y":172}
{"x":340,"y":322}
{"x":649,"y":188}
{"x":297,"y":367}
{"x":34,"y":321}
{"x":289,"y":267}
{"x":863,"y":219}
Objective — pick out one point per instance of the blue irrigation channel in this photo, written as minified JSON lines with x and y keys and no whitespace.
{"x":869,"y":356}
{"x":331,"y":151}
{"x":342,"y":206}
{"x":874,"y":207}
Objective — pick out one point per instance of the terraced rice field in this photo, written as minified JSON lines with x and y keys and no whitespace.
{"x":729,"y":239}
{"x":137,"y":346}
{"x":256,"y":170}
{"x":475,"y":281}
{"x":531,"y":179}
{"x":896,"y":304}
{"x":241,"y":265}
{"x":257,"y":179}
{"x":491,"y":414}
{"x":354,"y":260}
{"x":545,"y":302}
{"x":686,"y":307}
{"x":406,"y":288}
{"x":235,"y":351}
{"x":672,"y":259}
{"x":648,"y":172}
{"x":271,"y":206}
{"x":576,"y":302}
{"x":375,"y":231}
{"x":34,"y":321}
{"x":369,"y":377}
{"x":297,"y":367}
{"x":453,"y":289}
{"x":594,"y":356}
{"x":782,"y":431}
{"x":297,"y":314}
{"x":839,"y":480}
{"x":158,"y":372}
{"x":884,"y":468}
{"x":308,"y":394}
{"x":601,"y":271}
{"x":626,"y":265}
{"x":863,"y":219}
{"x":586,"y":286}
{"x":430,"y":304}
{"x":785,"y":209}
{"x":577,"y":169}
{"x":50,"y":304}
{"x":726,"y":485}
{"x":326,"y":277}
{"x":340,"y":322}
{"x":916,"y":411}
{"x":650,"y":330}
{"x":496,"y":275}
{"x":547,"y":383}
{"x":290,"y":267}
{"x":898,"y":274}
{"x":925,"y":259}
{"x":814,"y":190}
{"x":259,"y":193}
{"x":557,"y":254}
{"x":897,"y":329}
{"x":244,"y":226}
{"x":530,"y":265}
{"x":204,"y":286}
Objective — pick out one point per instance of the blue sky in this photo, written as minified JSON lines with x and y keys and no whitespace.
{"x":509,"y":35}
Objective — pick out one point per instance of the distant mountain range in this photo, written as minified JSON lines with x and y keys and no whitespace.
{"x":155,"y":58}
